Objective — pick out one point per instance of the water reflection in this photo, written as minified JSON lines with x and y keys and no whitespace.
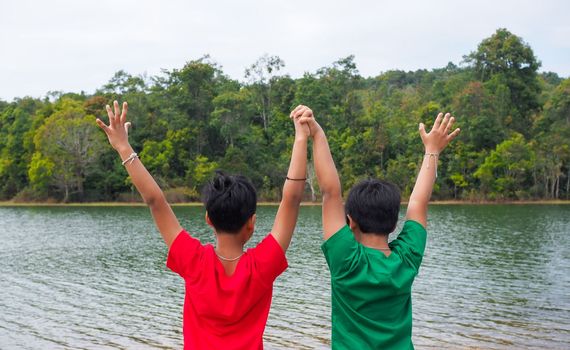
{"x":494,"y":277}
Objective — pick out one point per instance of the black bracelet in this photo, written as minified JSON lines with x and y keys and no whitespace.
{"x":288,"y":178}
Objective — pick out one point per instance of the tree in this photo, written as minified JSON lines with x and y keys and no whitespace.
{"x":231,"y":114}
{"x":478,"y":111}
{"x":157,"y":156}
{"x":68,"y":144}
{"x":261,"y":76}
{"x":40,"y":172}
{"x":190,"y":92}
{"x":507,"y":59}
{"x":506,"y":170}
{"x":123,"y":83}
{"x":514,"y":143}
{"x":202,"y":170}
{"x":16,"y":128}
{"x":552,"y":142}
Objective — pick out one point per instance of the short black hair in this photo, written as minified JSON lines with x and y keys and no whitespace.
{"x":230,"y":201}
{"x":374,"y":205}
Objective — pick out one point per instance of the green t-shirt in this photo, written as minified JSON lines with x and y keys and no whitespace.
{"x":372,"y":293}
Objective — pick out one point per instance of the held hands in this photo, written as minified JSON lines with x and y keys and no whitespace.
{"x":305,"y":124}
{"x":118,"y":129}
{"x":300,"y":115}
{"x":438,"y":138}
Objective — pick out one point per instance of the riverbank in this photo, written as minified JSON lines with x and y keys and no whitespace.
{"x":197,"y":204}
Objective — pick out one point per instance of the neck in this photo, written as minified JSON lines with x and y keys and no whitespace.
{"x":375,"y":241}
{"x":229,"y":245}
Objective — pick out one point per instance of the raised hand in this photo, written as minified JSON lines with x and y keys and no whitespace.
{"x":439,"y":137}
{"x":300,"y":115}
{"x":118,"y":129}
{"x":434,"y":141}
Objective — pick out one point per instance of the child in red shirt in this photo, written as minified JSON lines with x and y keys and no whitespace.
{"x":228,"y":291}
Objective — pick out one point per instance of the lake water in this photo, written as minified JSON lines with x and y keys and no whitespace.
{"x":494,"y":277}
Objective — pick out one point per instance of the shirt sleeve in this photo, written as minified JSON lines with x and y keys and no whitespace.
{"x":269,"y":258}
{"x":185,"y":255}
{"x":412,"y":239}
{"x":340,"y":251}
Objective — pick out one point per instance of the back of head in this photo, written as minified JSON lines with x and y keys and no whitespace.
{"x":374,"y":205}
{"x":230,"y":201}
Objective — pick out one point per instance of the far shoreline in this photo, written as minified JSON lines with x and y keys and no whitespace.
{"x":306,"y":203}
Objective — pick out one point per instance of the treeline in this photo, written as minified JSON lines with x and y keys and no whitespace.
{"x":188,"y":122}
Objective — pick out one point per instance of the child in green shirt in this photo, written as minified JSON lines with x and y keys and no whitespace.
{"x":371,"y":279}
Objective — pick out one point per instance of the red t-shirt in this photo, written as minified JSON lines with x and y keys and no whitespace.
{"x":220,"y":311}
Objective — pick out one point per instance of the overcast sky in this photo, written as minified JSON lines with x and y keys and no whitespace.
{"x":74,"y":45}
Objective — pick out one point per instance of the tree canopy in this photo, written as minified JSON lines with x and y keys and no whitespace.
{"x":187,"y":122}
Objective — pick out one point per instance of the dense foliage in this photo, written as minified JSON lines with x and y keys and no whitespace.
{"x":188,"y":122}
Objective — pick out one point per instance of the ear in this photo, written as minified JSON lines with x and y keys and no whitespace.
{"x":253,"y":219}
{"x":250,"y":226}
{"x":208,"y":221}
{"x":354,"y":228}
{"x":353,"y":225}
{"x":251,"y":223}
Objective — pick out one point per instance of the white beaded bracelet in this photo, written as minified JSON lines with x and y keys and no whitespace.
{"x":435,"y":156}
{"x":131,"y":158}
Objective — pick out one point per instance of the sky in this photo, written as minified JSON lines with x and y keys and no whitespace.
{"x":77,"y":45}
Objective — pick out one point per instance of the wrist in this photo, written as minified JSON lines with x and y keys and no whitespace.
{"x":301,"y":138}
{"x":124,"y":150}
{"x":431,"y":151}
{"x":317,"y":131}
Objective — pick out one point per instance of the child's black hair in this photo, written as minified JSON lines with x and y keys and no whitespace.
{"x":374,"y":205}
{"x":230,"y":201}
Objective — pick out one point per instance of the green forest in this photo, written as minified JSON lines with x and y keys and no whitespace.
{"x":188,"y":122}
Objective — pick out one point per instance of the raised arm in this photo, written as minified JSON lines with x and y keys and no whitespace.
{"x":334,"y":217}
{"x":294,"y":186}
{"x":434,"y":143}
{"x":117,"y":133}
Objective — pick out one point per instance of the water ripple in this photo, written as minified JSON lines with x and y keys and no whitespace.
{"x":493,"y":277}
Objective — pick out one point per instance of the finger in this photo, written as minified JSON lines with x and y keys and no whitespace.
{"x":449,"y":125}
{"x":422,"y":129}
{"x":307,"y":113}
{"x":299,"y":112}
{"x":127,"y":127}
{"x":298,"y":108}
{"x":102,"y":125}
{"x":117,"y":109}
{"x":124,"y":113}
{"x":295,"y":110}
{"x":292,"y":114}
{"x":304,"y":120}
{"x":453,"y":134}
{"x":110,"y":115}
{"x":444,"y":122}
{"x":437,"y":122}
{"x":307,"y":127}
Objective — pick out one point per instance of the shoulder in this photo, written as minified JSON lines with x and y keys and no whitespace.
{"x":185,"y":254}
{"x":411,"y":242}
{"x":184,"y":241}
{"x":268,"y":258}
{"x":342,"y":251}
{"x":412,"y":233}
{"x":268,"y":250}
{"x":268,"y":243}
{"x":342,"y":235}
{"x":413,"y":226}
